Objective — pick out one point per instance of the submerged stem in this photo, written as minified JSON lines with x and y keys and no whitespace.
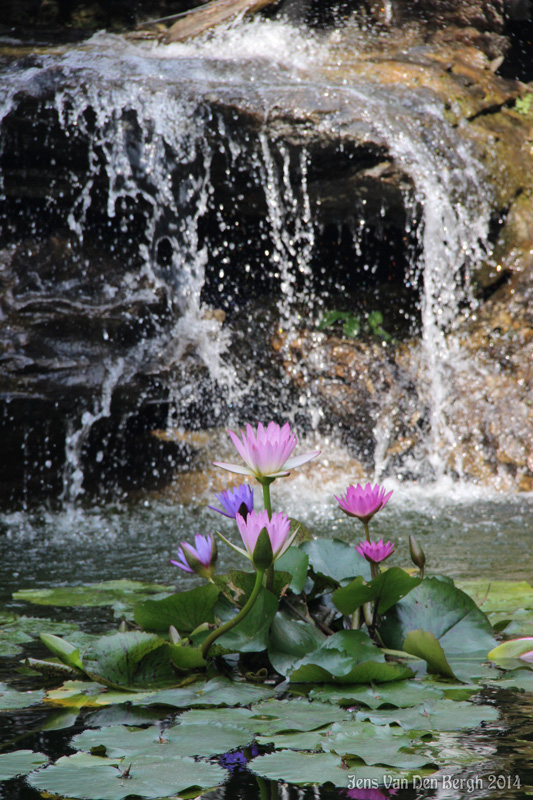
{"x":227,"y":626}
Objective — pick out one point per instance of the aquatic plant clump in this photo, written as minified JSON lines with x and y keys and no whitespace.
{"x":320,"y":617}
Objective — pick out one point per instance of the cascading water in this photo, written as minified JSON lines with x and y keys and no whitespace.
{"x":185,"y":174}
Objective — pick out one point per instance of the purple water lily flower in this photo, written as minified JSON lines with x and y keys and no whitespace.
{"x":237,"y":759}
{"x":200,"y":560}
{"x":240,"y":500}
{"x":363,"y":503}
{"x":278,"y":529}
{"x":266,"y":452}
{"x":375,"y":552}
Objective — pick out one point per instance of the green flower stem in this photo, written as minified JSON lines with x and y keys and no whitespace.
{"x":367,"y":532}
{"x":266,"y":498}
{"x":227,"y":626}
{"x":265,"y":483}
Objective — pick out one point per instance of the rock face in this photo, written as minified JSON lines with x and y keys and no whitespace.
{"x":131,"y":251}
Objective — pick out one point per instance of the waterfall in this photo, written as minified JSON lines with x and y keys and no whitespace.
{"x":202,"y":210}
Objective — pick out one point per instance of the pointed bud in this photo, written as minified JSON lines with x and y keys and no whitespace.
{"x":173,"y":635}
{"x":263,"y":556}
{"x":417,"y":554}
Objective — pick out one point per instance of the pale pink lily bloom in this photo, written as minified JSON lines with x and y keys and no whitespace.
{"x":266,"y":452}
{"x":278,"y":529}
{"x":363,"y":503}
{"x":375,"y":552}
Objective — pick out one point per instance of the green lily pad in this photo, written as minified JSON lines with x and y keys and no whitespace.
{"x":277,"y":716}
{"x":131,"y":661}
{"x":497,"y":596}
{"x":434,"y":715}
{"x":400,"y":694}
{"x":389,"y":587}
{"x":207,"y":739}
{"x":290,"y":640}
{"x":520,"y":679}
{"x":424,"y":645}
{"x":374,"y":744}
{"x":346,"y":657}
{"x":19,"y":630}
{"x":77,"y":694}
{"x":295,"y":562}
{"x":251,"y":634}
{"x":443,"y":610}
{"x":336,"y":560}
{"x":514,"y":648}
{"x":20,"y":762}
{"x":144,"y":776}
{"x":216,"y":692}
{"x":299,"y":740}
{"x":184,"y":610}
{"x":300,"y":768}
{"x":106,"y":593}
{"x":11,"y":699}
{"x":68,"y":653}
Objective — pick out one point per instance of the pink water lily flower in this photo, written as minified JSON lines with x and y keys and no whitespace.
{"x":375,"y":552}
{"x":363,"y":503}
{"x":266,"y":452}
{"x":200,"y":560}
{"x":278,"y":529}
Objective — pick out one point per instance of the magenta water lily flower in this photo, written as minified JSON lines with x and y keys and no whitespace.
{"x":240,"y":500}
{"x":363,"y":503}
{"x":375,"y":552}
{"x":200,"y":560}
{"x":278,"y":529}
{"x":266,"y":452}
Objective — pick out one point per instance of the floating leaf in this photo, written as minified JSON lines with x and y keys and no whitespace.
{"x":401,"y":694}
{"x":520,"y":679}
{"x":424,"y":645}
{"x":300,"y":768}
{"x":301,"y":740}
{"x":336,"y":560}
{"x":295,"y":562}
{"x":185,"y":610}
{"x":433,"y":715}
{"x":389,"y":587}
{"x":276,"y":716}
{"x":144,"y":776}
{"x":498,"y":596}
{"x":77,"y":694}
{"x":206,"y":739}
{"x":93,"y":594}
{"x":290,"y":640}
{"x":16,"y":631}
{"x":515,"y":648}
{"x":11,"y":699}
{"x":374,"y":744}
{"x":216,"y":692}
{"x":443,"y":610}
{"x":186,"y":658}
{"x":346,"y":657}
{"x":133,"y":661}
{"x":20,"y":762}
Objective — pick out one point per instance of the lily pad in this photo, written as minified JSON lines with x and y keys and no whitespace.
{"x":216,"y":692}
{"x":290,"y":640}
{"x":424,"y":645}
{"x":11,"y":699}
{"x":374,"y":744}
{"x":184,"y":610}
{"x":389,"y":587}
{"x":77,"y":694}
{"x":301,"y":768}
{"x":335,"y":560}
{"x":144,"y":776}
{"x":251,"y":634}
{"x":346,"y":657}
{"x":19,"y":630}
{"x":400,"y":694}
{"x":106,"y":593}
{"x":178,"y":740}
{"x":277,"y":716}
{"x":439,"y":715}
{"x":20,"y":762}
{"x":443,"y":610}
{"x":299,"y":740}
{"x":295,"y":562}
{"x":131,"y":661}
